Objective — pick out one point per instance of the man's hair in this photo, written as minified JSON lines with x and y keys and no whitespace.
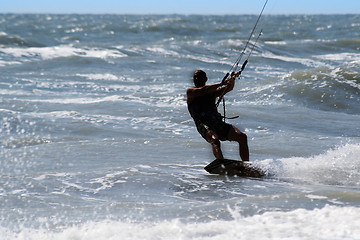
{"x":199,"y":75}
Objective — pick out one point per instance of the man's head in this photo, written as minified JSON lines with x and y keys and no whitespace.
{"x":199,"y":78}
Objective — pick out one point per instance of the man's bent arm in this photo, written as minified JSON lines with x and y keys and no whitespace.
{"x":196,"y":92}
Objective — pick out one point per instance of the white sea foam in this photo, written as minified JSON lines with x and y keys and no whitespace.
{"x":62,"y":51}
{"x":162,"y":51}
{"x":330,"y":222}
{"x":5,"y":63}
{"x":80,"y":100}
{"x":305,"y":61}
{"x":275,"y":42}
{"x":106,"y":76}
{"x":340,"y":57}
{"x":339,"y":166}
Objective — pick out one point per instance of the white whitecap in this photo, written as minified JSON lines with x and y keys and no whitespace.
{"x":329,"y":222}
{"x":62,"y":51}
{"x":338,"y":166}
{"x":99,"y":76}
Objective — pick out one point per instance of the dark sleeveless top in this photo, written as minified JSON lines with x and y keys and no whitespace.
{"x":203,"y":108}
{"x":206,"y":117}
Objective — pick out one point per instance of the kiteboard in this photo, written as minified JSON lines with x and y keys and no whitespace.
{"x":234,"y":168}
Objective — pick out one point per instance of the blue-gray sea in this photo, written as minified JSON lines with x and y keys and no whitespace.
{"x":97,"y":143}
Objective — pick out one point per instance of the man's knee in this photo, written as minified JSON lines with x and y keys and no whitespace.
{"x":241,"y":137}
{"x":214,"y":140}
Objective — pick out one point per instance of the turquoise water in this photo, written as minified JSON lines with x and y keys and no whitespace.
{"x":96,"y":141}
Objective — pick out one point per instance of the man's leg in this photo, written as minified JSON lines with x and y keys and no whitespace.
{"x":240,"y":137}
{"x":213,"y":139}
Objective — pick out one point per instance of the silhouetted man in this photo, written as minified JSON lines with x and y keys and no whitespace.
{"x":201,"y":101}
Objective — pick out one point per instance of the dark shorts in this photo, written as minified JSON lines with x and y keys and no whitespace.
{"x":215,"y":124}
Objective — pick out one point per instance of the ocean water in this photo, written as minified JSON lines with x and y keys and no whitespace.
{"x":96,"y":141}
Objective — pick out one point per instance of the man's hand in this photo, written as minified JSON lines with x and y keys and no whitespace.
{"x":231,"y":79}
{"x":236,"y":74}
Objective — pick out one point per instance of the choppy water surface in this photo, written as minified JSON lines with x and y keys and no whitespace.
{"x":96,"y":141}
